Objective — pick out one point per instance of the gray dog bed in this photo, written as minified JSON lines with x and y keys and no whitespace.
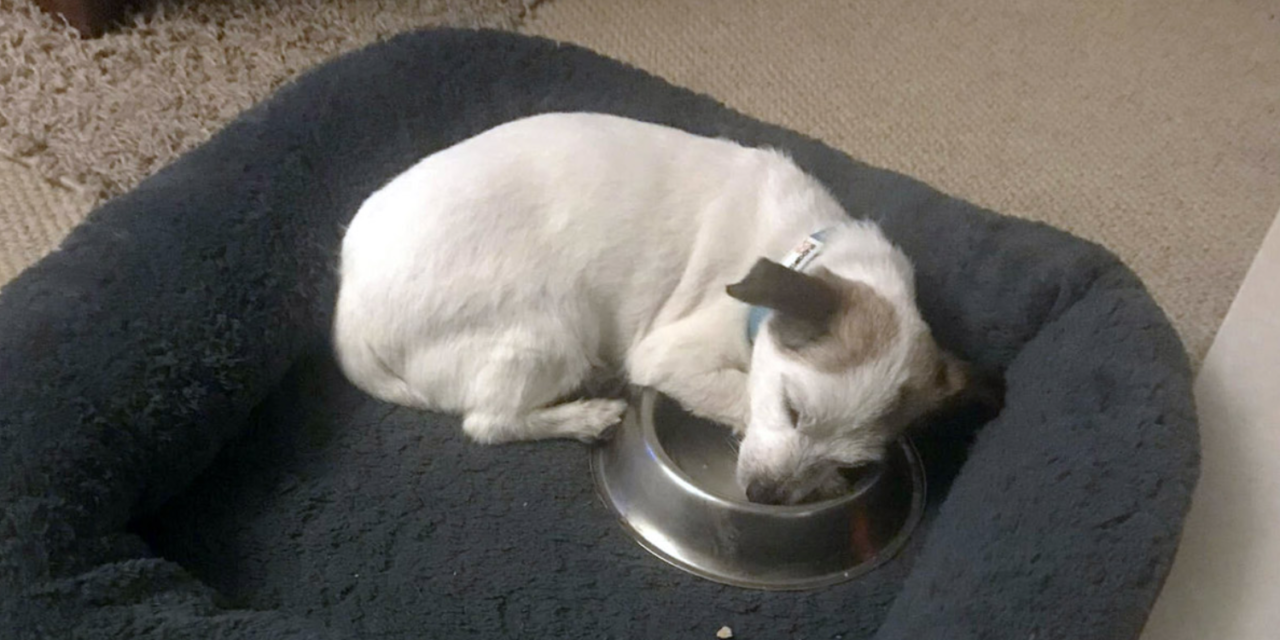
{"x":179,"y":457}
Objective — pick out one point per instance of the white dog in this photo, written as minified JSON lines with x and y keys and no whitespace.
{"x":493,"y":277}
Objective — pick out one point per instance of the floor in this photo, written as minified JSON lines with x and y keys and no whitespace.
{"x":35,"y":214}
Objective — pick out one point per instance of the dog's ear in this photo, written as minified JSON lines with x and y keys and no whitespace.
{"x":951,"y":376}
{"x":805,"y":304}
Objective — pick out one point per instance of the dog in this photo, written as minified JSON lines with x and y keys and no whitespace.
{"x":494,"y":277}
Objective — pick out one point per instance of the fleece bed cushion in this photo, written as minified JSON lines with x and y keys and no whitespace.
{"x":181,"y":459}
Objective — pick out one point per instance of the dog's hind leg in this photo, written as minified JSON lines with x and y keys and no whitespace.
{"x":511,"y":398}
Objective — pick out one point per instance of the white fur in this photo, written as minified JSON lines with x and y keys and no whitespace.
{"x":493,"y":277}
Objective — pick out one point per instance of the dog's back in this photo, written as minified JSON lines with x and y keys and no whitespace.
{"x":565,"y":232}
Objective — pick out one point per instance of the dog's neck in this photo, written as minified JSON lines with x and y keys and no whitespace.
{"x":798,"y":259}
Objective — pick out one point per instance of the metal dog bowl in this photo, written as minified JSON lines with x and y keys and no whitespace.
{"x":670,"y":479}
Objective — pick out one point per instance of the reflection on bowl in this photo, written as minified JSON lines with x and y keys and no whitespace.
{"x":669,"y":477}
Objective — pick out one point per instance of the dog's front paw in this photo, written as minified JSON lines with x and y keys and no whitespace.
{"x":589,"y":420}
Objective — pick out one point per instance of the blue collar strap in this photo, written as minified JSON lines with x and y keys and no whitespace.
{"x":798,"y":259}
{"x":755,"y":318}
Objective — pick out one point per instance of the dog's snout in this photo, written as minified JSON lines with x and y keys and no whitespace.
{"x":765,"y":492}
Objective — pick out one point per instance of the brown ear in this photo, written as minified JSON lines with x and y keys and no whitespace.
{"x":952,"y":375}
{"x":805,"y":304}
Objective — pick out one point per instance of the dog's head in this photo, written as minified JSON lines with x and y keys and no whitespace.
{"x":838,"y":372}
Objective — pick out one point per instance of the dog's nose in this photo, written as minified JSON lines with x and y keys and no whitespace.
{"x":765,"y":492}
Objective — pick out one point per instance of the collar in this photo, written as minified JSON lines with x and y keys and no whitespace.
{"x":798,"y":259}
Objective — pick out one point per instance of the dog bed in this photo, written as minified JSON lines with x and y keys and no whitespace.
{"x":180,"y":458}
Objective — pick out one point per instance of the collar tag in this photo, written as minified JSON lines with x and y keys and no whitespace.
{"x":804,"y":253}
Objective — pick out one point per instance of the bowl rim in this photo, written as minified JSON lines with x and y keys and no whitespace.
{"x":915,"y":514}
{"x":648,"y":402}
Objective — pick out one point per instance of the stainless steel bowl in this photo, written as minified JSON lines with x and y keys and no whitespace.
{"x":670,"y":479}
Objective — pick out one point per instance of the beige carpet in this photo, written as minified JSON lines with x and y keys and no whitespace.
{"x":1150,"y":126}
{"x":103,"y":113}
{"x":34,"y":215}
{"x":82,"y":120}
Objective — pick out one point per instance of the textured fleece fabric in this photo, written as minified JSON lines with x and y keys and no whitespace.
{"x":179,"y":457}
